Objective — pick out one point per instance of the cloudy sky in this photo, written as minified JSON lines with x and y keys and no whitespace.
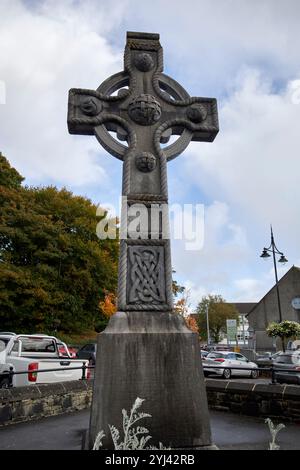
{"x":246,"y":54}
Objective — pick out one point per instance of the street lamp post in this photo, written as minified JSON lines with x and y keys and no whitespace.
{"x":207,"y":325}
{"x":265,"y":254}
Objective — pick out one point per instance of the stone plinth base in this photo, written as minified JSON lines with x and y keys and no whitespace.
{"x":156,"y":357}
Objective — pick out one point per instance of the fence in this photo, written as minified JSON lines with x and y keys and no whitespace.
{"x":272,"y":371}
{"x":7,"y":376}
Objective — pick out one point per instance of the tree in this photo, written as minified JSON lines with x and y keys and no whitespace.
{"x":9,"y":177}
{"x":191,"y":323}
{"x":218,"y":312}
{"x":108,"y":306}
{"x":53,"y":269}
{"x":182,"y":305}
{"x":176,"y":288}
{"x":285,"y":329}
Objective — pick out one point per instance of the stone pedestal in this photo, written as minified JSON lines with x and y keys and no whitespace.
{"x":153,"y":356}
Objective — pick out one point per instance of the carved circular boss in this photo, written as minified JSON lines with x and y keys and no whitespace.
{"x":145,"y":162}
{"x":144,"y":110}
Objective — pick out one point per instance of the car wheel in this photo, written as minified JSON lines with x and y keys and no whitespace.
{"x":254,"y":374}
{"x":226,"y":373}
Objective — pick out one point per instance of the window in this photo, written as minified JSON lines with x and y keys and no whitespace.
{"x":15,"y":347}
{"x":40,"y":345}
{"x":232,"y":356}
{"x":241,"y":358}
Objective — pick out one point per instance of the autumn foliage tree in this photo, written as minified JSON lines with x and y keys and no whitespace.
{"x":108,"y":306}
{"x":192,"y":324}
{"x":54,"y":270}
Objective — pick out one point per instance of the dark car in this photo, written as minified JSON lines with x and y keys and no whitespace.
{"x":88,"y":351}
{"x":289,"y":365}
{"x":266,"y":359}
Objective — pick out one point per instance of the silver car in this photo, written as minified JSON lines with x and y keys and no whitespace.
{"x":228,"y":359}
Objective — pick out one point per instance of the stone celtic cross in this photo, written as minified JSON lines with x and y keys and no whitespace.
{"x":146,"y":351}
{"x":146,"y":114}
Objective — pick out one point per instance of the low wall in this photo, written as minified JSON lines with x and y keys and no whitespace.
{"x":255,"y":399}
{"x":38,"y":401}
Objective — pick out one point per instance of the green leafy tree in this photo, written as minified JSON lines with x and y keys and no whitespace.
{"x":284,"y":330}
{"x":9,"y":177}
{"x":54,"y":270}
{"x":218,"y":312}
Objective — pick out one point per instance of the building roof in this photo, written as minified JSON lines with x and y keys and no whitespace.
{"x":293,"y":268}
{"x":244,"y":307}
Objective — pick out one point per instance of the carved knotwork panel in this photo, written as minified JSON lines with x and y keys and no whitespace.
{"x":146,"y":275}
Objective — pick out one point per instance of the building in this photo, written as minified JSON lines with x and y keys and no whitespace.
{"x":243,"y":309}
{"x":242,"y":330}
{"x":266,"y":310}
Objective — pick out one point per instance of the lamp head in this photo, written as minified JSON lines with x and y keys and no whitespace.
{"x":282,"y":259}
{"x":265,"y":254}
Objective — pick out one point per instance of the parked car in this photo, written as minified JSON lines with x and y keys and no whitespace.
{"x":5,"y":381}
{"x":228,"y":359}
{"x":63,"y":349}
{"x":88,"y":351}
{"x":33,"y":353}
{"x":204,"y":353}
{"x":72,"y":351}
{"x":266,"y":359}
{"x":289,"y":361}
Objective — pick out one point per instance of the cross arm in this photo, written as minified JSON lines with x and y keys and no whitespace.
{"x":199,"y":115}
{"x":90,"y":108}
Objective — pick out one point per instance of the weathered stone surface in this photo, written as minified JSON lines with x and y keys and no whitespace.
{"x":240,"y":386}
{"x":21,"y":393}
{"x":146,"y":350}
{"x":158,"y":359}
{"x":214,"y":384}
{"x":255,"y":399}
{"x":291,"y":391}
{"x":30,"y":403}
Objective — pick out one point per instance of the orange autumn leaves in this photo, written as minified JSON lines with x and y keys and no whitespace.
{"x":108,"y":306}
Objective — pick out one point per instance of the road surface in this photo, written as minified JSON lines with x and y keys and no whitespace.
{"x":230,"y":432}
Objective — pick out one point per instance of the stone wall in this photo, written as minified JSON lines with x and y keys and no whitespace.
{"x":38,"y":401}
{"x":255,"y":399}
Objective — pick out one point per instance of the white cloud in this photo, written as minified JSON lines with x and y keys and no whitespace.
{"x":43,"y":54}
{"x":254,"y":162}
{"x":208,"y":41}
{"x":225,"y":249}
{"x":244,"y":53}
